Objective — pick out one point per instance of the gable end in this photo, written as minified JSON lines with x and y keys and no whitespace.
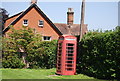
{"x":40,"y":12}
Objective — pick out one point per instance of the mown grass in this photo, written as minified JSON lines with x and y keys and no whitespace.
{"x":9,"y":74}
{"x":37,"y":74}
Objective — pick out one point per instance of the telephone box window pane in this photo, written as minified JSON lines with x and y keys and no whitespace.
{"x":69,"y":58}
{"x":69,"y":65}
{"x":60,"y":48}
{"x":69,"y":54}
{"x":59,"y":64}
{"x":69,"y":61}
{"x":70,"y":44}
{"x":60,"y":44}
{"x":60,"y":51}
{"x":69,"y":51}
{"x":58,"y":58}
{"x":58,"y":67}
{"x":59,"y":54}
{"x":70,"y":48}
{"x":59,"y":61}
{"x":69,"y":69}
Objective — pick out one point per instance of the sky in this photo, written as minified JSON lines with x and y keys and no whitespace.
{"x":119,"y":13}
{"x":98,"y":15}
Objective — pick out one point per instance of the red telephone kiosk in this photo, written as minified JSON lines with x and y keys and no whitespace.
{"x":66,"y":55}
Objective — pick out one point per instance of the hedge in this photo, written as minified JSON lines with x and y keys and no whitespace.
{"x":99,"y":55}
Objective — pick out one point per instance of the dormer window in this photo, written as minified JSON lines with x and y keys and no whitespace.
{"x":40,"y":23}
{"x":25,"y":22}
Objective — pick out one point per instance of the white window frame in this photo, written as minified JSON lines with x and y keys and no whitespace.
{"x":39,"y":23}
{"x":47,"y":38}
{"x":25,"y":23}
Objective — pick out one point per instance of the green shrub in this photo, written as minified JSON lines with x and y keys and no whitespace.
{"x":11,"y":61}
{"x":42,"y":55}
{"x":10,"y":57}
{"x":15,"y":46}
{"x":24,"y":47}
{"x":99,"y":54}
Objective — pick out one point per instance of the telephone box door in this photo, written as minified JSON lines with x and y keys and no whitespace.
{"x":66,"y":55}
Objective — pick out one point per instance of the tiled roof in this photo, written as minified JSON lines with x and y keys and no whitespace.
{"x":73,"y":29}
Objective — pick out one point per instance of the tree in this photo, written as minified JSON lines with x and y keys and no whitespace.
{"x":3,"y":15}
{"x":19,"y":42}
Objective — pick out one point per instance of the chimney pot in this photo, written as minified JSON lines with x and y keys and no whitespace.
{"x":70,"y":16}
{"x":33,"y":1}
{"x":70,"y":9}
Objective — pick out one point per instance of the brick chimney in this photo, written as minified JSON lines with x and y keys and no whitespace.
{"x":33,"y":1}
{"x":70,"y":16}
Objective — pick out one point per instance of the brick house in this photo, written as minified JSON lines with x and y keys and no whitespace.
{"x":34,"y":17}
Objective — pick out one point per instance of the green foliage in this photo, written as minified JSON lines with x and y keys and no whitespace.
{"x":9,"y":56}
{"x":42,"y":55}
{"x":12,"y":61}
{"x":24,"y":42}
{"x":16,"y":43}
{"x":99,"y":54}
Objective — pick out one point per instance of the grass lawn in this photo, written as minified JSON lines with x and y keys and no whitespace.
{"x":37,"y":74}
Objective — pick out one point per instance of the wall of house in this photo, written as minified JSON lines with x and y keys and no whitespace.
{"x":33,"y":17}
{"x":8,"y":21}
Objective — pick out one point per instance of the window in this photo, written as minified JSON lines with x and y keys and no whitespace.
{"x":25,"y":22}
{"x":46,"y":38}
{"x":41,"y":23}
